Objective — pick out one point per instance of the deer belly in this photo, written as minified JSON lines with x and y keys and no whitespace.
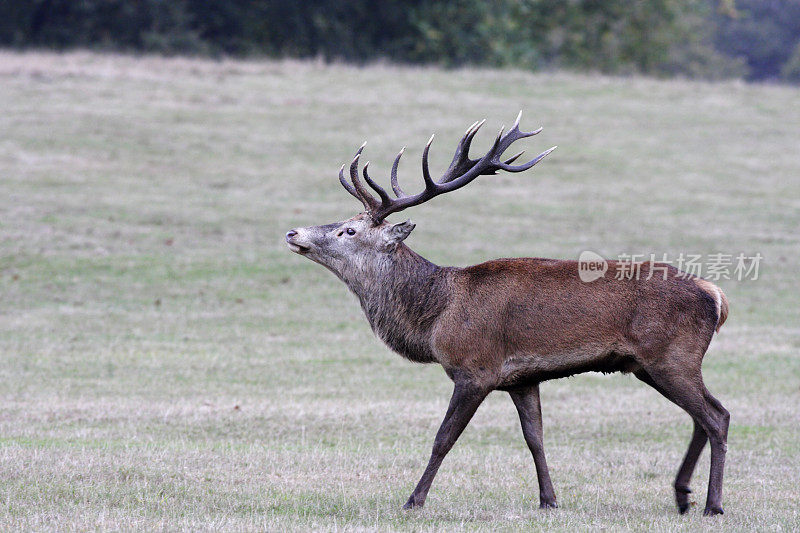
{"x":534,"y":368}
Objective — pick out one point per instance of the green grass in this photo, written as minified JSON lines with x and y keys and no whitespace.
{"x":168,"y":364}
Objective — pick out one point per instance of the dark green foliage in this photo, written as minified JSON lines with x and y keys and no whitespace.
{"x":695,"y":38}
{"x":764,"y":33}
{"x":791,"y":69}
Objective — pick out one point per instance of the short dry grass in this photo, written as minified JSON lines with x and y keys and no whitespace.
{"x":167,"y":363}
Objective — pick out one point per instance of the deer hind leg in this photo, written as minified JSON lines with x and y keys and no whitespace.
{"x":723,"y":418}
{"x":696,"y":445}
{"x":463,"y":404}
{"x":530,"y":416}
{"x":685,"y":388}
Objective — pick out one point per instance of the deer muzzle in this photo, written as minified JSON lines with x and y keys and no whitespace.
{"x":291,"y":241}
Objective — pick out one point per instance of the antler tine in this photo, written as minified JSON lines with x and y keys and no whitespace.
{"x":516,"y":122}
{"x":474,"y":129}
{"x":495,"y":150}
{"x":349,"y":188}
{"x":426,"y":174}
{"x":514,"y":134}
{"x":515,"y":128}
{"x":461,"y":161}
{"x":513,"y":158}
{"x":519,"y":168}
{"x":396,"y":186}
{"x":369,"y":201}
{"x":354,"y":173}
{"x":378,"y":189}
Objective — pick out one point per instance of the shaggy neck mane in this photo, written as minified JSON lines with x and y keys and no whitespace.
{"x":402,"y":295}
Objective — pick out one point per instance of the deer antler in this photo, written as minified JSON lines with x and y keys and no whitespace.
{"x":462,"y":170}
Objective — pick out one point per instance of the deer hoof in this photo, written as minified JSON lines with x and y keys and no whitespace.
{"x":412,"y":503}
{"x":713,"y":511}
{"x":549,"y":504}
{"x":682,"y":499}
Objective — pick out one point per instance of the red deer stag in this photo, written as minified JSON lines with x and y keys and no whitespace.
{"x":510,"y":324}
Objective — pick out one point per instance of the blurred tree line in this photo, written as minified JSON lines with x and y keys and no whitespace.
{"x":755,"y":39}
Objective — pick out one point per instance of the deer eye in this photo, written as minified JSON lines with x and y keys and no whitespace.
{"x":351,"y":231}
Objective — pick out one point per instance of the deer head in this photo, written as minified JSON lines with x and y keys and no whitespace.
{"x":356,"y":240}
{"x":367,"y":236}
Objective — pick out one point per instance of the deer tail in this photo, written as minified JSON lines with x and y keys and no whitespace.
{"x":719,"y":298}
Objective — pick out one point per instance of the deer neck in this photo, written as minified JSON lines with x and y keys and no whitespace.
{"x":402,"y":295}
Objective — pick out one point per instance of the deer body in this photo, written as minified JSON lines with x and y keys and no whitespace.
{"x":517,"y":322}
{"x":510,"y":324}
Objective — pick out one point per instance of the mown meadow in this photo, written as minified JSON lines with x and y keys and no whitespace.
{"x":167,"y":363}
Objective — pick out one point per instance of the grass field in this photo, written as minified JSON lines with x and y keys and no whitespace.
{"x":168,"y":364}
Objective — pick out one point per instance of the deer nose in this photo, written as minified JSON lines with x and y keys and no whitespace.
{"x":289,"y":234}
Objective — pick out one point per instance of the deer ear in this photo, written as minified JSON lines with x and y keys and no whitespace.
{"x":396,"y":233}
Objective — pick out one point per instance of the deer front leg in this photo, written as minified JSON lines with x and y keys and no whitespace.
{"x":530,"y":416}
{"x":463,"y":404}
